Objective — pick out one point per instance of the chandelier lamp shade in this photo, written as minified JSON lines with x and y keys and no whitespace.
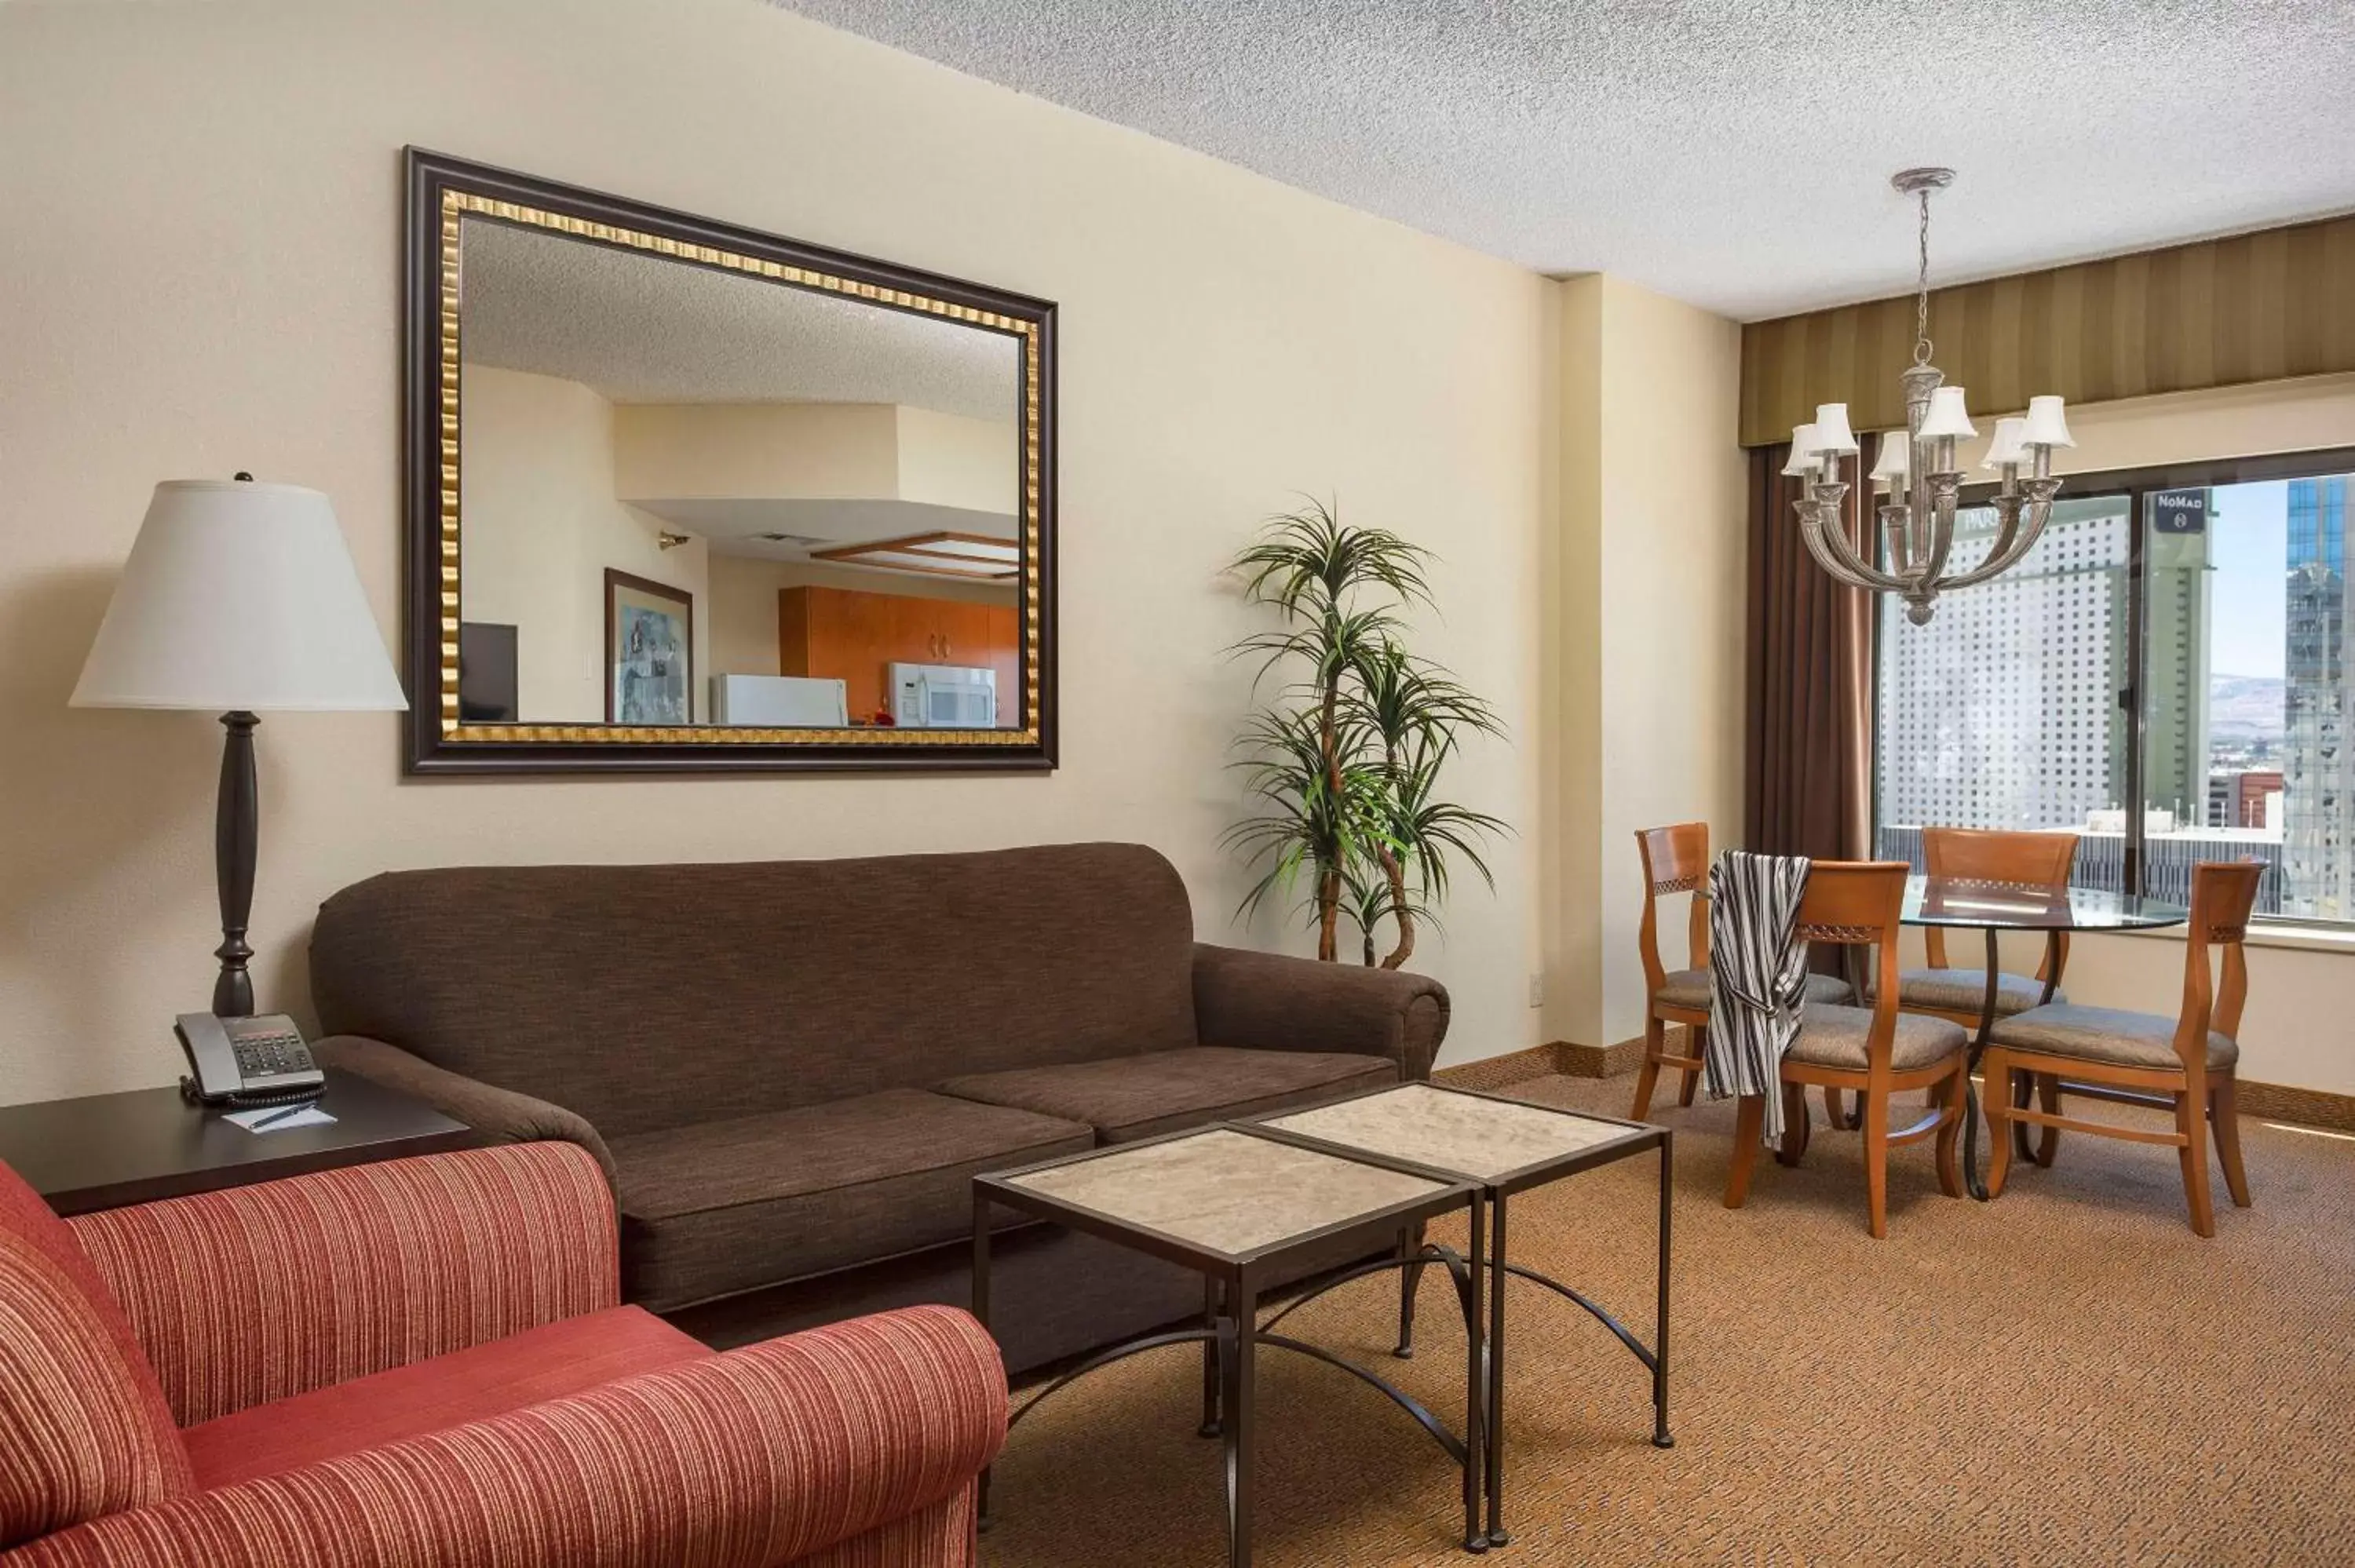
{"x":1918,"y":469}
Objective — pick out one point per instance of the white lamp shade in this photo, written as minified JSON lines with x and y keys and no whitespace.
{"x":238,"y":596}
{"x":1803,"y":453}
{"x":2008,"y":448}
{"x":1896,"y":458}
{"x":1832,"y":434}
{"x":1947,"y":415}
{"x":2047,"y":427}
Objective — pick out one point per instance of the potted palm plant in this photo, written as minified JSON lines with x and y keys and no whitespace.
{"x":1345,"y":760}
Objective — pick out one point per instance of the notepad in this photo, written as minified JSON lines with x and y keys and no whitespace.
{"x":279,"y":1118}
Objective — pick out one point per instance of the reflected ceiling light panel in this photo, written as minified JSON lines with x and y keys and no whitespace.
{"x":946,"y":555}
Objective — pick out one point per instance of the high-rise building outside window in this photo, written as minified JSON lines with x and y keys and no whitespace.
{"x":2165,"y":676}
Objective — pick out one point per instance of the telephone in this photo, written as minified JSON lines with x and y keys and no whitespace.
{"x":258,"y":1061}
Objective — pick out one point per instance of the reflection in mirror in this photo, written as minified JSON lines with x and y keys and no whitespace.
{"x":694,"y":497}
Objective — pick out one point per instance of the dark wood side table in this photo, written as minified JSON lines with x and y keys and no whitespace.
{"x":107,"y":1151}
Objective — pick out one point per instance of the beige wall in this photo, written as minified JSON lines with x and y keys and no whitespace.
{"x":201,"y":253}
{"x":948,"y":459}
{"x":685,"y":452}
{"x":541,"y":527}
{"x":1653,"y":610}
{"x":2300,"y":1026}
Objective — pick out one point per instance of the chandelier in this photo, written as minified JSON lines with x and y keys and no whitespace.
{"x":1919,"y":469}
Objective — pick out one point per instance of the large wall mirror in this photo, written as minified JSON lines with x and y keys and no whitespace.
{"x":684,"y":496}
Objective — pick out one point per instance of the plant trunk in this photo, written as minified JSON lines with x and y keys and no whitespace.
{"x":1399,"y":912}
{"x":1328,"y":914}
{"x":1328,"y":886}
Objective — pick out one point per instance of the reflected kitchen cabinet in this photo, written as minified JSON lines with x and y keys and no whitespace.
{"x":855,"y":637}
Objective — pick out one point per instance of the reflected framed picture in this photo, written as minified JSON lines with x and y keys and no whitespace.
{"x":649,"y":651}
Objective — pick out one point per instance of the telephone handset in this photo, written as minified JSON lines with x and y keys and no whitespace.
{"x":258,"y":1061}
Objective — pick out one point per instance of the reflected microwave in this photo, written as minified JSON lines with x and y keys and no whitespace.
{"x":943,"y":696}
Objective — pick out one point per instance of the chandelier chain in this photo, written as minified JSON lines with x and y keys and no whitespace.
{"x":1921,"y":289}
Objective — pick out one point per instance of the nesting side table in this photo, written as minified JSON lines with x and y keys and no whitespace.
{"x":1240,"y":1205}
{"x":1503,"y":1146}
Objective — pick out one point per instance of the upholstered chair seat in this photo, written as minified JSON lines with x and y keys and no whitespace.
{"x":1964,"y":991}
{"x":2107,"y":1034}
{"x":1831,"y":1035}
{"x":1690,"y":988}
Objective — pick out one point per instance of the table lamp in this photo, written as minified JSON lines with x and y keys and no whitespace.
{"x":238,"y":598}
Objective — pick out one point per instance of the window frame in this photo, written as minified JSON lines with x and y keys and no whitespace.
{"x":2136,"y":484}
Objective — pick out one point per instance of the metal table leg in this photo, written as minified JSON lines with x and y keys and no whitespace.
{"x":981,"y":1315}
{"x":1660,"y":1436}
{"x":1410,"y":1281}
{"x":1211,"y":1313}
{"x":1972,"y":1182}
{"x":1476,"y":1433}
{"x":1494,"y":1457}
{"x":1239,"y":1359}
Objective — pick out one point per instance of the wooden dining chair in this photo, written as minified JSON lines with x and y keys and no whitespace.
{"x":2039,"y":860}
{"x":1676,"y":860}
{"x":1875,"y":1053}
{"x":2186,"y":1063}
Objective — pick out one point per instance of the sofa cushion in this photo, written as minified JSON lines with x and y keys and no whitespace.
{"x":725,"y":1206}
{"x":84,"y":1430}
{"x":806,"y":981}
{"x":550,"y":1362}
{"x":1162,"y":1091}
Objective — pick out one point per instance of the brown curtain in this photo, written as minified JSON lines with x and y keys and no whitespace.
{"x":1808,"y":772}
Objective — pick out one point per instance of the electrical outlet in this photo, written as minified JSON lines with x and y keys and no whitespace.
{"x":1537,"y":989}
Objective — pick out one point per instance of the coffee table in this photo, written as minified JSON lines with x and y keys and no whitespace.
{"x":1243,"y":1206}
{"x":1506,"y":1146}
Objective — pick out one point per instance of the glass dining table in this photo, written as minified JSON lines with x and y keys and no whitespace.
{"x":1994,"y":907}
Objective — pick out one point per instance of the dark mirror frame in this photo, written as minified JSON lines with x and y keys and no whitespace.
{"x":440,"y":192}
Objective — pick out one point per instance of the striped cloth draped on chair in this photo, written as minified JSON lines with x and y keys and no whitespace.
{"x":1758,"y":976}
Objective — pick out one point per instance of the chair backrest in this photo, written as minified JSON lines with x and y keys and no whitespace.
{"x":86,"y":1431}
{"x":658,"y":996}
{"x":2015,"y":859}
{"x":1676,"y":860}
{"x":2223,"y":895}
{"x":1860,"y":903}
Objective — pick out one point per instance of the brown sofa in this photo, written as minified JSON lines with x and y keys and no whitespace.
{"x":791,"y":1070}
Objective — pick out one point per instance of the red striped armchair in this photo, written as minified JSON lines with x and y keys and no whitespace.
{"x":424,"y":1362}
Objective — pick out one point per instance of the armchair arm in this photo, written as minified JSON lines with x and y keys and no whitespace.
{"x":763,"y":1456}
{"x":501,"y":1115}
{"x":1275,"y":1002}
{"x":259,"y":1292}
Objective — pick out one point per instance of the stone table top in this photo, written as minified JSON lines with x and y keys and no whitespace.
{"x":1226,"y":1190}
{"x":1471,"y":1134}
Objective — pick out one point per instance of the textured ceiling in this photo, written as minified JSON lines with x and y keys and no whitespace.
{"x":1731,"y":153}
{"x":640,"y":329}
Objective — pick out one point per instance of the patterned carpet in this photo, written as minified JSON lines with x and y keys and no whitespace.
{"x":2065,"y":1376}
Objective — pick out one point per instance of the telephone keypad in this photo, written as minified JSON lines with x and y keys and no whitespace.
{"x":262,"y":1055}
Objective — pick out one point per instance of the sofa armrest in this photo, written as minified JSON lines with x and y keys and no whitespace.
{"x":500,"y":1116}
{"x":761,"y":1455}
{"x":259,"y":1292}
{"x":1271,"y":1002}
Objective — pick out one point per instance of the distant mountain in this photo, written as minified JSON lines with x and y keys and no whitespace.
{"x":2244,"y":708}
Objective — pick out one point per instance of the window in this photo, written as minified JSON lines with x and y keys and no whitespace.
{"x":2174,"y":640}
